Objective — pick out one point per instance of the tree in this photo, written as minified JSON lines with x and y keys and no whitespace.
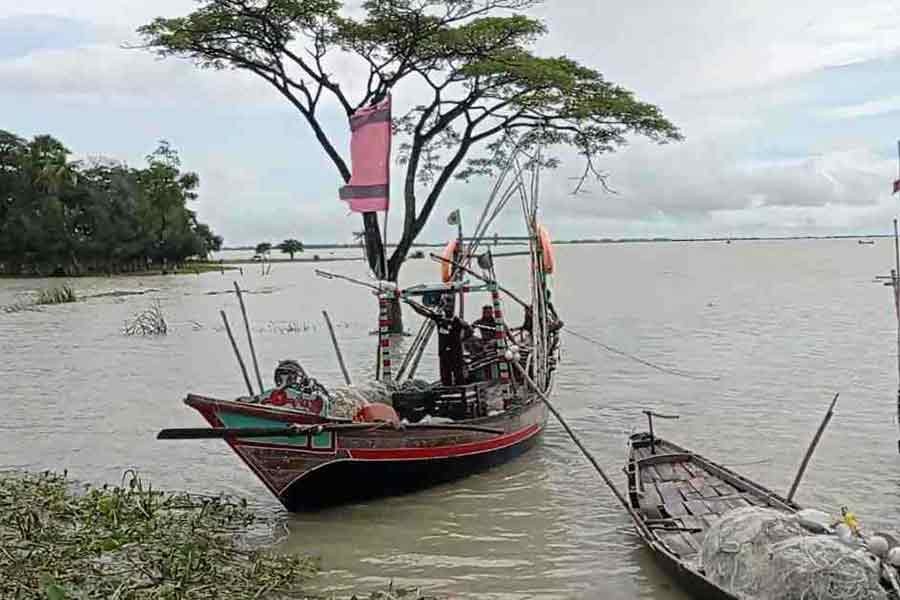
{"x":167,"y":190}
{"x":291,"y":247}
{"x":485,"y":90}
{"x":71,"y":217}
{"x":263,"y":248}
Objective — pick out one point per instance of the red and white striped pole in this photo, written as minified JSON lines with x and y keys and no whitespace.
{"x":384,"y":330}
{"x":500,"y":335}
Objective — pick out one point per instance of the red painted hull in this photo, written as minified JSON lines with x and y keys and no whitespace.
{"x":340,"y":466}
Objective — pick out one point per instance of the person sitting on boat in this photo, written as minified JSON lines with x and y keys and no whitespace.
{"x":296,"y":389}
{"x":452,"y":331}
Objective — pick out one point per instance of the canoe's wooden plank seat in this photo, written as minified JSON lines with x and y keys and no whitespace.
{"x":680,"y":500}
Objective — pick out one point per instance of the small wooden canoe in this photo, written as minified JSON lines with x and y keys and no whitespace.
{"x":676,"y":496}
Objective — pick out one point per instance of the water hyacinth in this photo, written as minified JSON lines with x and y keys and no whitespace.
{"x":132,"y":542}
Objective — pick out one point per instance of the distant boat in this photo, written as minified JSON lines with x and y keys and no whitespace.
{"x":866,"y":242}
{"x":417,"y":254}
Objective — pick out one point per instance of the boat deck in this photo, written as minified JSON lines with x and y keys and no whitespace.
{"x":680,"y":495}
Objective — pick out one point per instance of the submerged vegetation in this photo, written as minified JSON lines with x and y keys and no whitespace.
{"x":149,"y":322}
{"x":56,"y":295}
{"x":59,"y":217}
{"x":129,"y":542}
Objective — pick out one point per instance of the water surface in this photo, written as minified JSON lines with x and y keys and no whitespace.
{"x":784,"y":324}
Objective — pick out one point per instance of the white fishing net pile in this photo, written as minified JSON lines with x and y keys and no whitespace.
{"x":820,"y":567}
{"x":347,"y":400}
{"x":764,"y":554}
{"x":736,"y":548}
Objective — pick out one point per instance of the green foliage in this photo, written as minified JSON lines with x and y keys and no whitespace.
{"x":263,"y":248}
{"x":62,"y":217}
{"x":132,"y":542}
{"x":486,"y":91}
{"x":56,"y":295}
{"x":291,"y":247}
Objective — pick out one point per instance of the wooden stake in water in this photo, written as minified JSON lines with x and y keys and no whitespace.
{"x":237,"y":352}
{"x":337,"y":349}
{"x":237,"y":290}
{"x":812,"y":448}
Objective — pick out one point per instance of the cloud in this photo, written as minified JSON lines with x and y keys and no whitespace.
{"x":21,"y":35}
{"x":777,"y":138}
{"x":870,"y":108}
{"x":104,"y":73}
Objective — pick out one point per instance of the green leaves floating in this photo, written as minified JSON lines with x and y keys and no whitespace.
{"x":61,"y":542}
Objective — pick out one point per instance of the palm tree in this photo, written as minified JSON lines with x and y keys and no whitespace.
{"x":291,"y":246}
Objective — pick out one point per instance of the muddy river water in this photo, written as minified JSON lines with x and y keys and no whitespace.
{"x":783,"y":325}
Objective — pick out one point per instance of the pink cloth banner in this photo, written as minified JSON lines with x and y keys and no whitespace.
{"x":370,"y":158}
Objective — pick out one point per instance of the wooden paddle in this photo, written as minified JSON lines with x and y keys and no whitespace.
{"x":218,"y":433}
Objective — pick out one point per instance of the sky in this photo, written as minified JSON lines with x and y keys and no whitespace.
{"x":791,"y":117}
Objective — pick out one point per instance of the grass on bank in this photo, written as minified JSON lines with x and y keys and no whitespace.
{"x":59,"y":541}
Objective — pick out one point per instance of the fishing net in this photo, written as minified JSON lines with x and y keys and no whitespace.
{"x":736,"y":548}
{"x":820,"y":567}
{"x":768,"y":555}
{"x":347,"y":400}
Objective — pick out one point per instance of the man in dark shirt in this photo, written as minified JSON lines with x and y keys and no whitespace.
{"x":451,"y":332}
{"x":486,"y":325}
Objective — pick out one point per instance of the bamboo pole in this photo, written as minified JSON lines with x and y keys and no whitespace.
{"x":638,"y":521}
{"x":237,"y":352}
{"x":337,"y":348}
{"x":812,"y":448}
{"x":895,"y":280}
{"x":240,"y":296}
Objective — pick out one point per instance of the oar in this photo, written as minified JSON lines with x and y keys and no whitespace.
{"x":218,"y":433}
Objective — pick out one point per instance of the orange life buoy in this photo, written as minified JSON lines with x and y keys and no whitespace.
{"x":546,"y":249}
{"x":448,"y":254}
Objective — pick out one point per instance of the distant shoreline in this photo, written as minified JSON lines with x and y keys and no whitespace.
{"x":598,"y":241}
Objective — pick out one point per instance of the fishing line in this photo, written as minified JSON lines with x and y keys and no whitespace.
{"x":647,"y":363}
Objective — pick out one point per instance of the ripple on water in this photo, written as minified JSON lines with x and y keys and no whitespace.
{"x":784,"y":325}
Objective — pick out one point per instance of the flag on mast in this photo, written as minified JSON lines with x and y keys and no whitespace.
{"x":453,"y":218}
{"x":370,"y":159}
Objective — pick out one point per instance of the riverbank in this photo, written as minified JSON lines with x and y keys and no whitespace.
{"x":60,"y":540}
{"x":191,"y":268}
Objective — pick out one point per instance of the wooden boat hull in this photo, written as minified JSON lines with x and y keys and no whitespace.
{"x":332,"y":467}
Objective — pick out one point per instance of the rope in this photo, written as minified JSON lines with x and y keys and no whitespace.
{"x":647,"y":363}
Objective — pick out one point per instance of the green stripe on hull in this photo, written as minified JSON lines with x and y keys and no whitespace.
{"x":321,"y":441}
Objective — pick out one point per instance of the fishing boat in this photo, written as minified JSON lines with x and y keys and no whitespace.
{"x":676,"y":496}
{"x":402,"y":433}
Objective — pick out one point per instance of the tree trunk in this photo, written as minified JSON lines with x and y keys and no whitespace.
{"x":395,"y":312}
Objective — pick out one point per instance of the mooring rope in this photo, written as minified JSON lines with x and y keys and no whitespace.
{"x":647,"y":363}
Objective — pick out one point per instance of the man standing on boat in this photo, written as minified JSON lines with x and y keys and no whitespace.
{"x":452,"y":331}
{"x":486,"y":326}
